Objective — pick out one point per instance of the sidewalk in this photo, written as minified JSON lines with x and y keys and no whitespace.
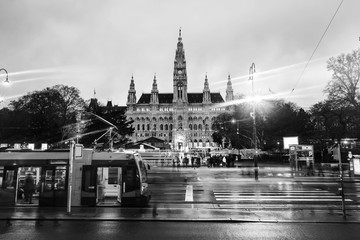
{"x":189,"y":211}
{"x":176,"y":214}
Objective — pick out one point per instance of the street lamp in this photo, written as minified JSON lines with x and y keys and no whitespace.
{"x":253,"y":115}
{"x":7,"y":75}
{"x":237,"y":125}
{"x":6,"y":81}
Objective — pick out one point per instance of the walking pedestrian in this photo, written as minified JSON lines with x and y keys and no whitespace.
{"x":29,"y":188}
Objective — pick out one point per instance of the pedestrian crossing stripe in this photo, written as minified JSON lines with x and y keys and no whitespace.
{"x":287,"y":200}
{"x":289,"y":191}
{"x":288,"y":196}
{"x":189,"y":194}
{"x":275,"y":193}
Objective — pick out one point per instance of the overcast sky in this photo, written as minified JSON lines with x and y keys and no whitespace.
{"x":94,"y":44}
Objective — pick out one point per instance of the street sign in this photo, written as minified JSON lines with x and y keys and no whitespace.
{"x":78,"y":151}
{"x":356,"y":166}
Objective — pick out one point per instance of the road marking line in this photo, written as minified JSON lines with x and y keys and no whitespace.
{"x":285,"y":200}
{"x":189,"y":194}
{"x":278,"y":197}
{"x":321,"y":191}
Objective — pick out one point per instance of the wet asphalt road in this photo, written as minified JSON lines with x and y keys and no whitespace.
{"x":235,"y":188}
{"x":229,"y":190}
{"x":105,"y":230}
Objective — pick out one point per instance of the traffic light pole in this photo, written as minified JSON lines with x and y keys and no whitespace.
{"x":341,"y":181}
{"x":251,"y":77}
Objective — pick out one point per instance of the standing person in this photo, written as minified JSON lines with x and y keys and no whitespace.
{"x":224,"y":161}
{"x":29,"y":188}
{"x":177,"y":162}
{"x":185,"y":161}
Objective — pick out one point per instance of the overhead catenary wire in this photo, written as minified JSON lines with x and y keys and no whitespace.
{"x":318,"y":44}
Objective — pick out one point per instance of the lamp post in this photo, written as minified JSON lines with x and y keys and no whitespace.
{"x":7,"y":75}
{"x":253,"y":115}
{"x":6,"y":81}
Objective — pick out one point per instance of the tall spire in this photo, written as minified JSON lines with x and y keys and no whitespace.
{"x":229,"y":90}
{"x":206,"y":84}
{"x":206,"y":91}
{"x":180,"y":74}
{"x":154,"y":86}
{"x":132,"y":92}
{"x":154,"y":99}
{"x":132,"y":84}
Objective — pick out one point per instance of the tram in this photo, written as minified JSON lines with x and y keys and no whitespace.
{"x":97,"y":178}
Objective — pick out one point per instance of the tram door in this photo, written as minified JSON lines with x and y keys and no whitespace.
{"x":8,"y":186}
{"x":53,"y":186}
{"x":109,"y":185}
{"x":88,"y":186}
{"x":28,"y":182}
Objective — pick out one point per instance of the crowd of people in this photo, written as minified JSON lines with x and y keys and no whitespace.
{"x":209,"y":161}
{"x":221,"y":161}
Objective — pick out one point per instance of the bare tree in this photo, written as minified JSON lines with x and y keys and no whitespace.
{"x":343,"y":88}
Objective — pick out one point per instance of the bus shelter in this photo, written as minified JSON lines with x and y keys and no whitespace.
{"x":301,"y":156}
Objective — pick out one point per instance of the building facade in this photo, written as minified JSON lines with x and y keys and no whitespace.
{"x":182,"y":119}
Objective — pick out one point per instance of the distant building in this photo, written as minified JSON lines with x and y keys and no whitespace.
{"x":181,"y":119}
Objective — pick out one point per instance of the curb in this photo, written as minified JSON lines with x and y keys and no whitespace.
{"x":154,"y":219}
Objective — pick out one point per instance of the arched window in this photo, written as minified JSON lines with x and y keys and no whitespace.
{"x":171,"y":127}
{"x":138,"y":127}
{"x":148,"y":127}
{"x":195,"y":127}
{"x":200,"y":127}
{"x":180,"y":118}
{"x":190,"y":126}
{"x":161,"y":127}
{"x":143,"y":127}
{"x":180,"y":90}
{"x":166,"y":127}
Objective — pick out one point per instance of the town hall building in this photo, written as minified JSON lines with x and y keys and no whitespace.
{"x":181,"y":119}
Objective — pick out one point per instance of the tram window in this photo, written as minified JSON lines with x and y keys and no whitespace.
{"x":113,"y":176}
{"x":1,"y":175}
{"x":60,"y":175}
{"x":143,"y":172}
{"x":131,"y":178}
{"x":9,"y":180}
{"x":48,"y":180}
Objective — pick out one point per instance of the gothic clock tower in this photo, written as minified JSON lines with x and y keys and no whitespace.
{"x":180,"y":98}
{"x":180,"y":75}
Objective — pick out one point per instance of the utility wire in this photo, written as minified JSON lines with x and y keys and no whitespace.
{"x":302,"y":73}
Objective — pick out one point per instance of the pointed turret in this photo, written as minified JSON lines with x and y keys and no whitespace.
{"x":206,"y":91}
{"x":154,"y":99}
{"x":229,"y":90}
{"x":131,"y":94}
